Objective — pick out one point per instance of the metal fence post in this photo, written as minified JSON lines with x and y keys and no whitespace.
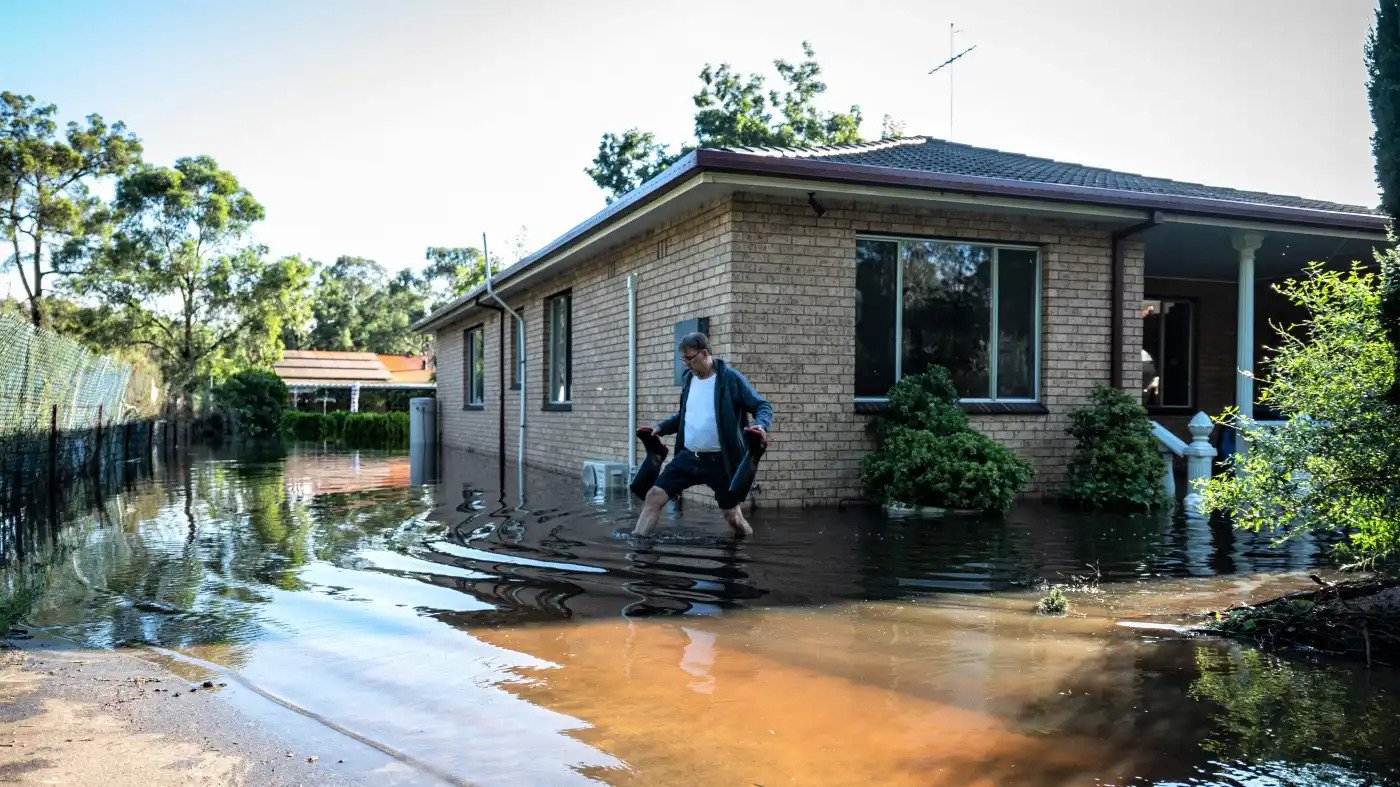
{"x":53,"y":447}
{"x":97,"y":446}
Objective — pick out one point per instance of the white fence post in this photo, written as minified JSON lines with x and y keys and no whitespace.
{"x":1200,"y":456}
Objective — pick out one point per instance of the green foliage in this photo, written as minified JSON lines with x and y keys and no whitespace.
{"x":1383,"y":86}
{"x":1052,"y":603}
{"x":348,"y":430}
{"x":256,"y":398}
{"x":375,"y":430}
{"x":929,"y":456}
{"x":1265,"y":709}
{"x":1331,"y":466}
{"x":357,"y":306}
{"x":201,"y":302}
{"x":731,"y":109}
{"x":49,"y":218}
{"x":454,"y":271}
{"x":19,"y":598}
{"x":1115,"y":465}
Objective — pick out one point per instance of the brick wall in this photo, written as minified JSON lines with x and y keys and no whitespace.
{"x":682,"y":271}
{"x":794,"y":278}
{"x":778,"y":286}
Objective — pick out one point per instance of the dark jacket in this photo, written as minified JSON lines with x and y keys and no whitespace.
{"x":735,"y":400}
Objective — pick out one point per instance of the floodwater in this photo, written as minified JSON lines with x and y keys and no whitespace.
{"x":481,"y":640}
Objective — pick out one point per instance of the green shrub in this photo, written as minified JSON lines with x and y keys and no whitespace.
{"x":254,"y":400}
{"x":301,"y":426}
{"x":1053,"y":603}
{"x":348,"y":430}
{"x":1332,"y":465}
{"x":1115,"y":464}
{"x":929,"y":456}
{"x":15,"y":603}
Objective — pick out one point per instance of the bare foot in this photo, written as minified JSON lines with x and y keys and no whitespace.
{"x":738,"y":524}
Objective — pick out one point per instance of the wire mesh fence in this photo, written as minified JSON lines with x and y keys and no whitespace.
{"x":65,"y":410}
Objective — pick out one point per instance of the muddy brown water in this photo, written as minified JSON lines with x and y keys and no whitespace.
{"x":501,"y":642}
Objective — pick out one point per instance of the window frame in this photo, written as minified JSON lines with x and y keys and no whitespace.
{"x":1193,"y":354}
{"x":550,"y":403}
{"x":469,"y":350}
{"x":994,"y":322}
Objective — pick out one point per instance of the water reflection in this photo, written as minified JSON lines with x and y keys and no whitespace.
{"x":832,"y":647}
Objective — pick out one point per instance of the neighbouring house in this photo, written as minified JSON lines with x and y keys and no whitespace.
{"x":825,"y":274}
{"x":331,"y":380}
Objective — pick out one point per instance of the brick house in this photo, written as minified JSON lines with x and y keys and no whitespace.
{"x":826,"y":273}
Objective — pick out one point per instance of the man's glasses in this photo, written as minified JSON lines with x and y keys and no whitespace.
{"x":689,"y":358}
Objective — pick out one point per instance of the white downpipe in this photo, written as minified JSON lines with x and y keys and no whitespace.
{"x":631,"y":372}
{"x":520,"y":367}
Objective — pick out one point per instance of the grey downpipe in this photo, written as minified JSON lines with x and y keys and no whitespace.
{"x":631,"y":373}
{"x":520,"y":366}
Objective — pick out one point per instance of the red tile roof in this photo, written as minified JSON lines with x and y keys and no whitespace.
{"x":328,"y":368}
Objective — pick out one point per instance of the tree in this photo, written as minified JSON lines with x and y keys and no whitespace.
{"x":48,"y":213}
{"x":732,"y":110}
{"x":1383,"y":67}
{"x":454,"y":271}
{"x":195,"y":296}
{"x":357,"y":306}
{"x":255,"y":398}
{"x":1331,"y":466}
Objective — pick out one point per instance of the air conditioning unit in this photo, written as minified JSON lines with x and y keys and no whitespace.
{"x":600,"y":476}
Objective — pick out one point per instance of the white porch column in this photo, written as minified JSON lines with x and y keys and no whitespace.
{"x":354,"y":397}
{"x":1246,"y":243}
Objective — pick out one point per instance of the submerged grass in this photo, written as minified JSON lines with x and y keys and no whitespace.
{"x":16,"y":604}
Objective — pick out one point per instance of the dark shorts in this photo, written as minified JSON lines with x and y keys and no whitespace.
{"x":690,"y":469}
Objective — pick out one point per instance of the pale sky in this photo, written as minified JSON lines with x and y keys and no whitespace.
{"x":378,"y":129}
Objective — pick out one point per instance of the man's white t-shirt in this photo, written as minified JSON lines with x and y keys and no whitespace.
{"x":701,"y":431}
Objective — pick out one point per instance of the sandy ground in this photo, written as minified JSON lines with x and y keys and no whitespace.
{"x":77,"y":716}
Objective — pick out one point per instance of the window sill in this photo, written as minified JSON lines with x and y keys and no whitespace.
{"x":971,"y":408}
{"x":474,"y":407}
{"x":558,"y":407}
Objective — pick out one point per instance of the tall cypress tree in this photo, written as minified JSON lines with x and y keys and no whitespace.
{"x":1383,"y":65}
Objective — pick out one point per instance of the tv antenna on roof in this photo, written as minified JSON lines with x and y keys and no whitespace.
{"x":952,"y":33}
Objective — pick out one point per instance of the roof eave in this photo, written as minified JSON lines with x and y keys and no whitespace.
{"x":727,"y":161}
{"x":816,"y":169}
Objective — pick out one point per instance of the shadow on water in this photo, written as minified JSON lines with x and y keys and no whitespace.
{"x":832,"y":647}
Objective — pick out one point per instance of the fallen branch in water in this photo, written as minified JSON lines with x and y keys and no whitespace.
{"x":1359,"y":619}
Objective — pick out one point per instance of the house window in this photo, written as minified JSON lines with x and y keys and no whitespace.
{"x":559,"y":344}
{"x":971,"y":308}
{"x":517,"y":349}
{"x":473,"y":344}
{"x":1168,"y":352}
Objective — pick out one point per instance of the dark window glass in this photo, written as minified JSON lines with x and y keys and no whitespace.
{"x":1168,"y":347}
{"x":1016,"y":318}
{"x":517,"y":348}
{"x":476,"y":368}
{"x":877,"y":272}
{"x":560,"y":342}
{"x":947,"y":312}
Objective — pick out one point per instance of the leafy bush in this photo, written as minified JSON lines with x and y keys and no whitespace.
{"x":929,"y":456}
{"x":1332,"y":464}
{"x":1115,"y":465}
{"x":1053,"y":603}
{"x":348,"y":430}
{"x":255,"y":399}
{"x":16,"y":602}
{"x":375,"y":430}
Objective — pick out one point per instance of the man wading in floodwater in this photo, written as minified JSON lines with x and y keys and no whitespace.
{"x":716,"y":402}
